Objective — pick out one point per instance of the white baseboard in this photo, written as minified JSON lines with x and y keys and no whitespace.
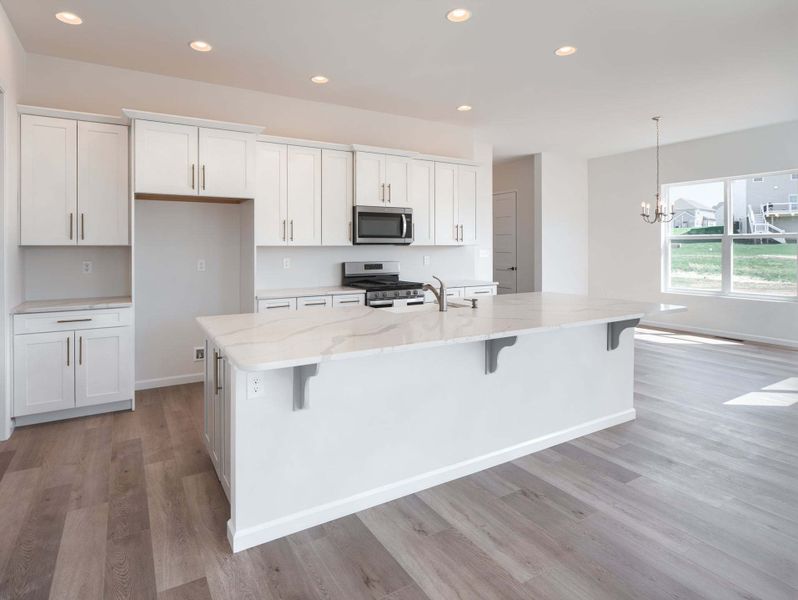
{"x":148,"y":384}
{"x":735,"y":335}
{"x":72,"y":413}
{"x":271,"y":530}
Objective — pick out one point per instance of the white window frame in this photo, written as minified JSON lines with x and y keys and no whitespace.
{"x":726,"y":240}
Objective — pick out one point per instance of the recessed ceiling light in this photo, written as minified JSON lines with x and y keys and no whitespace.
{"x":458,"y":15}
{"x":68,"y":18}
{"x":201,"y":46}
{"x":565,"y":51}
{"x":464,"y":108}
{"x":319,"y":79}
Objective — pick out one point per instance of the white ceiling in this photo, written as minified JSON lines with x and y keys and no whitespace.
{"x":708,"y":66}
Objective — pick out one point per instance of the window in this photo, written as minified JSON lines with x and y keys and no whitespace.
{"x":734,"y":236}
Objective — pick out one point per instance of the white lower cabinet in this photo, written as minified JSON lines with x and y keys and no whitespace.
{"x":349,"y":300}
{"x":311,"y":302}
{"x":276,"y":304}
{"x":216,"y":430}
{"x":480,"y":290}
{"x":68,"y":368}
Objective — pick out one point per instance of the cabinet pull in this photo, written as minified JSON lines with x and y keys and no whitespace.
{"x":315,"y":304}
{"x":462,"y":234}
{"x":349,"y":302}
{"x":283,"y":229}
{"x":216,"y":357}
{"x":80,"y":350}
{"x":456,"y":237}
{"x":278,"y":306}
{"x":68,"y":352}
{"x":193,"y":175}
{"x":73,"y":320}
{"x":82,"y":226}
{"x":203,"y":177}
{"x":389,"y":193}
{"x":292,"y":230}
{"x":350,"y":231}
{"x":382,"y":194}
{"x":71,"y":218}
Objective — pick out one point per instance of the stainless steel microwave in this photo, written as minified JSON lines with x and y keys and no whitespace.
{"x":383,"y":225}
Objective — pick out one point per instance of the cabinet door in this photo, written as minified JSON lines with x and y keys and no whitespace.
{"x":217,"y":390}
{"x":271,"y":197}
{"x":446,"y":216}
{"x":44,"y":372}
{"x":397,"y":174}
{"x":103,"y":369}
{"x":467,"y":203}
{"x":369,"y":178}
{"x":276,"y":305}
{"x":48,"y":172}
{"x":103,"y":196}
{"x":421,"y":198}
{"x":455,"y":292}
{"x":336,"y":198}
{"x":304,"y":196}
{"x":227,"y":163}
{"x":165,"y":158}
{"x":207,"y":428}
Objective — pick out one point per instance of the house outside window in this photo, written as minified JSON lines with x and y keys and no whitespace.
{"x":736,"y":236}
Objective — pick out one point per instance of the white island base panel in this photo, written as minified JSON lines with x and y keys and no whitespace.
{"x":380,"y":427}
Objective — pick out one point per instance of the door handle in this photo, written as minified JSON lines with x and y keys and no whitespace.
{"x":404,"y":226}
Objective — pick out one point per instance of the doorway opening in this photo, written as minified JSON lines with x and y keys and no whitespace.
{"x":505,"y":242}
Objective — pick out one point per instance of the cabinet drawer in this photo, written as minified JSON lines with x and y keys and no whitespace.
{"x":71,"y":320}
{"x":481,"y":290}
{"x":276,"y":304}
{"x":308,"y":302}
{"x":349,"y":300}
{"x":456,"y":292}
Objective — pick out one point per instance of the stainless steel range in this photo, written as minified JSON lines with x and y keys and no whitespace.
{"x":381,"y":281}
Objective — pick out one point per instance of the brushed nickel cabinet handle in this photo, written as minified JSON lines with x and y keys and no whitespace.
{"x":283,"y":229}
{"x":315,"y":304}
{"x":382,"y":194}
{"x":216,"y":357}
{"x":462,"y":233}
{"x":203,"y":177}
{"x":73,"y":320}
{"x":456,"y":238}
{"x":389,"y":193}
{"x":349,"y":302}
{"x":278,"y":306}
{"x":193,"y":175}
{"x":292,"y":230}
{"x":68,"y":339}
{"x":82,"y":226}
{"x":71,"y":219}
{"x":80,"y":350}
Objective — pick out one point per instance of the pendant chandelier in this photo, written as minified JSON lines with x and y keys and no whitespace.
{"x":660,"y":214}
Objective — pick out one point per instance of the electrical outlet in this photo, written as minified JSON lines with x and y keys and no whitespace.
{"x":199,"y":353}
{"x":286,"y":263}
{"x":255,"y":385}
{"x":426,"y":261}
{"x":201,"y":265}
{"x":87,"y":267}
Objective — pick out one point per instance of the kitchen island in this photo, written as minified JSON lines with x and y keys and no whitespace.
{"x":310,"y":416}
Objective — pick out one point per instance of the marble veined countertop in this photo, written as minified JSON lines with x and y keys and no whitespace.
{"x":335,"y":290}
{"x":38,"y":306}
{"x":259,"y":342}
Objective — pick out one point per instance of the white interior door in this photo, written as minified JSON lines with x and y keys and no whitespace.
{"x":446,"y":221}
{"x":505,"y":265}
{"x":369,"y":178}
{"x":103,"y":367}
{"x":397,"y":174}
{"x":467,"y":203}
{"x":48,"y":179}
{"x":304,"y":196}
{"x":44,"y":372}
{"x":336,"y":197}
{"x":227,"y":163}
{"x":103,"y":196}
{"x":421,"y":198}
{"x":166,"y":158}
{"x":271,"y":197}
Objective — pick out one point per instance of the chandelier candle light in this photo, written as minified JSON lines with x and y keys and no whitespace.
{"x":660,"y":215}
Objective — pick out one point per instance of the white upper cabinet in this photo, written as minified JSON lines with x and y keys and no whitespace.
{"x":271,"y":197}
{"x":74,"y":177}
{"x":369,"y":178}
{"x":447,"y":230}
{"x":397,"y":173}
{"x":304,"y":196}
{"x":184,"y":160}
{"x":227,"y":163}
{"x":421,"y":198}
{"x":467,"y":203}
{"x":103,"y":196}
{"x":166,"y":158}
{"x":455,"y":204}
{"x":48,"y":180}
{"x":336,"y":197}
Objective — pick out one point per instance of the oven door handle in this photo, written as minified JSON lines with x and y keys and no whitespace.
{"x":380,"y":303}
{"x":404,"y":226}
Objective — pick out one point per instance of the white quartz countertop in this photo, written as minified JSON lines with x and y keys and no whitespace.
{"x":336,"y":290}
{"x":38,"y":306}
{"x":463,"y":283}
{"x":259,"y":342}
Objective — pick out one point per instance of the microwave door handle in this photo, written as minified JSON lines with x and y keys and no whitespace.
{"x":404,"y":226}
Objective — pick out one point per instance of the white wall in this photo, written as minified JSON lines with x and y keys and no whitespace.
{"x":87,"y":87}
{"x":625,"y":252}
{"x":58,"y":272}
{"x":518,"y":176}
{"x":12,"y":59}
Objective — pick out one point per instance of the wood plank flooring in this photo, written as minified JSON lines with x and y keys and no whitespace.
{"x":694,"y":499}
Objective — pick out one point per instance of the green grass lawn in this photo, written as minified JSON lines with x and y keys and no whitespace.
{"x":764,"y":268}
